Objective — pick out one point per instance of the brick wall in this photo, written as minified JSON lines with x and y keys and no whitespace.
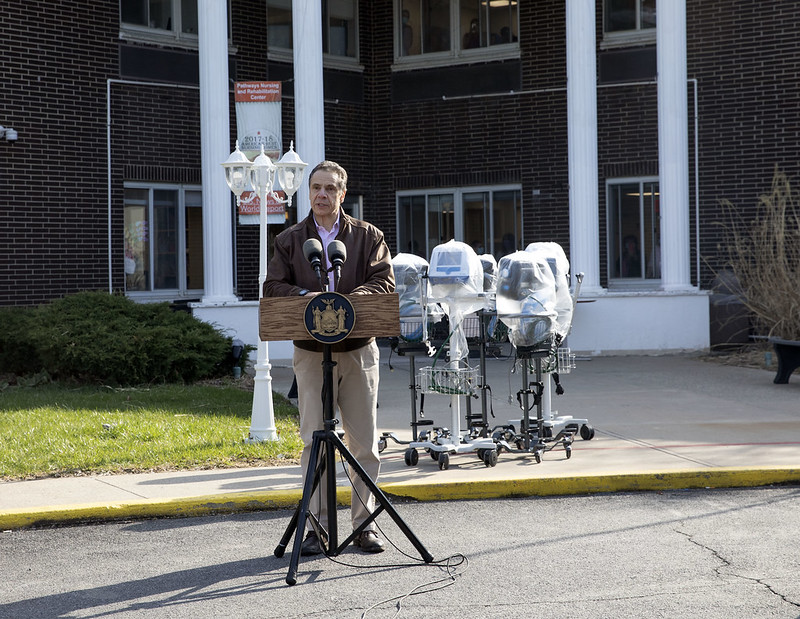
{"x":506,"y":138}
{"x":54,"y":210}
{"x":53,"y":195}
{"x":53,"y":206}
{"x":746,"y":59}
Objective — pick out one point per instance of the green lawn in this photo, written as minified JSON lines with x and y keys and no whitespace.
{"x":55,"y":430}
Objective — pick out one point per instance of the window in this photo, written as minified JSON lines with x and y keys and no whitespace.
{"x":163,"y":241}
{"x":353,"y":205}
{"x":629,"y":21}
{"x":489,"y":219}
{"x":279,"y":24}
{"x":179,"y":16}
{"x":174,"y":20}
{"x":449,"y":29}
{"x":634,"y":232}
{"x":339,"y":27}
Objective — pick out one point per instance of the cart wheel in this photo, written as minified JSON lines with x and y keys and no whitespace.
{"x":381,"y":444}
{"x":444,"y":461}
{"x":568,"y":451}
{"x":481,"y":454}
{"x":434,"y":454}
{"x":490,"y":457}
{"x":411,"y":456}
{"x":587,"y":432}
{"x":538,"y":456}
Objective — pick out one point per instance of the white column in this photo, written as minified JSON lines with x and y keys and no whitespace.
{"x":309,"y":109}
{"x":584,"y":225}
{"x":673,"y":146}
{"x":212,"y":18}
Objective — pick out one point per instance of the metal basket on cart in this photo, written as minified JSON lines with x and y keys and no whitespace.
{"x":494,"y":332}
{"x":411,"y":329}
{"x":566,"y":361}
{"x":552,"y":357}
{"x":450,"y":381}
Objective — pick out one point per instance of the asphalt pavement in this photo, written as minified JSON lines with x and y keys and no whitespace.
{"x":658,"y":423}
{"x":704,"y":554}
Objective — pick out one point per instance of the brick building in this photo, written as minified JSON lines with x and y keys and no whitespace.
{"x":454,"y":119}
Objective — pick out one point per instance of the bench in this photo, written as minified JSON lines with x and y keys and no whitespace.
{"x":788,"y":352}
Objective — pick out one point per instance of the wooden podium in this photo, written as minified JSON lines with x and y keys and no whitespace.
{"x":281,"y":318}
{"x":330,"y":318}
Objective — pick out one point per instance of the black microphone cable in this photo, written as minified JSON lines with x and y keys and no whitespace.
{"x":450,"y":564}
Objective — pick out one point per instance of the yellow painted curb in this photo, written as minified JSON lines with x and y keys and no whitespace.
{"x":440,"y":491}
{"x":587,"y":484}
{"x":157,"y":508}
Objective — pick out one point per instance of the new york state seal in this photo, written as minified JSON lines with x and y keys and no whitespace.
{"x":329,"y":317}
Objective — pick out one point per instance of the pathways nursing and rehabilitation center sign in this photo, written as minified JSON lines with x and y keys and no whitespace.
{"x":258,"y":122}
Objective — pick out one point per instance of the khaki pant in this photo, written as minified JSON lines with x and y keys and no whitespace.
{"x":355,"y":397}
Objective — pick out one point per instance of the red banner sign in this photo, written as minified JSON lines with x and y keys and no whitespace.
{"x":249,"y":204}
{"x":257,"y":92}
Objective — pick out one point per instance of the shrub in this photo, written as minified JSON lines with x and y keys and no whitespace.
{"x":17,"y":354}
{"x":764,"y":255}
{"x":99,"y":337}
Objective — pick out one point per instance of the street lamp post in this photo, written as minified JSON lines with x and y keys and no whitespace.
{"x":260,"y":174}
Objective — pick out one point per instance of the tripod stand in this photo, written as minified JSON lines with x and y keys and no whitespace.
{"x":326,"y":443}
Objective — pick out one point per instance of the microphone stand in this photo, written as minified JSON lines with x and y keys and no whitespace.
{"x":325,"y":443}
{"x":337,"y":254}
{"x":312,"y":250}
{"x":323,"y":283}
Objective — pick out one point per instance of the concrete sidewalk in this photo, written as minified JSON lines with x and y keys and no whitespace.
{"x":660,"y":423}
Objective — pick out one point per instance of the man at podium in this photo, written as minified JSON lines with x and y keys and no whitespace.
{"x":297,"y":268}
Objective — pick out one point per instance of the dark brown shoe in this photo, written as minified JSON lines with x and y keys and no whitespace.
{"x":369,"y":541}
{"x":310,"y":545}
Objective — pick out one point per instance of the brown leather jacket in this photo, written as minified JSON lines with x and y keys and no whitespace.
{"x":367,"y":270}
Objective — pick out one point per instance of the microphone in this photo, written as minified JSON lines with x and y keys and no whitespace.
{"x":337,"y":252}
{"x":312,"y":250}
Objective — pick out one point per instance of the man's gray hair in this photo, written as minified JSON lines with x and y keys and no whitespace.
{"x":334,"y":168}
